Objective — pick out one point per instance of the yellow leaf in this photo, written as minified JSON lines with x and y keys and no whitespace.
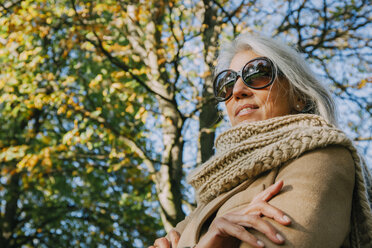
{"x":129,"y":109}
{"x":117,"y":86}
{"x":206,"y":74}
{"x":140,"y":113}
{"x":116,"y":167}
{"x":28,"y":161}
{"x":144,"y":117}
{"x":136,"y":58}
{"x":69,"y":113}
{"x":62,"y":109}
{"x":132,"y":97}
{"x":90,"y":169}
{"x":47,"y":162}
{"x":364,"y":82}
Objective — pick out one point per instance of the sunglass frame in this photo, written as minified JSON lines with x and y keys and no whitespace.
{"x":240,"y":74}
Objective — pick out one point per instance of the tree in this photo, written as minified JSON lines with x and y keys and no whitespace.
{"x":106,"y":105}
{"x":69,"y":172}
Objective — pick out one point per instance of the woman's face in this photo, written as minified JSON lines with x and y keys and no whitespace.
{"x":248,"y":104}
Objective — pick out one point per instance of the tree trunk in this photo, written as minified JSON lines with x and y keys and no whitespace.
{"x":10,"y":215}
{"x":209,"y":114}
{"x":169,"y":177}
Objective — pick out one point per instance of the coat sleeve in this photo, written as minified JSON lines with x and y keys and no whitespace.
{"x":182,"y":224}
{"x":317,"y":196}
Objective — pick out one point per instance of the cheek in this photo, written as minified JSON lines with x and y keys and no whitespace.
{"x":229,"y":109}
{"x":277,"y":103}
{"x":280,"y":102}
{"x":265,"y":98}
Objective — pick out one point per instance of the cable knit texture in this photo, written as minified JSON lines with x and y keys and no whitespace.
{"x":249,"y":149}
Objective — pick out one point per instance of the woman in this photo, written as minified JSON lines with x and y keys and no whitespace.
{"x":282,"y":131}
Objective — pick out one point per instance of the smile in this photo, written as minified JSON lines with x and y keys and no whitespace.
{"x":245,"y":109}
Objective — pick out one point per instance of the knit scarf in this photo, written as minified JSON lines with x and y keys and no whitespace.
{"x":249,"y":149}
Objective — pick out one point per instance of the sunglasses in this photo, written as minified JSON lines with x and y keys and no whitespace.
{"x":257,"y":74}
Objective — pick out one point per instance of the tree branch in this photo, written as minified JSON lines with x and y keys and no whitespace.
{"x":5,"y":9}
{"x":99,"y":45}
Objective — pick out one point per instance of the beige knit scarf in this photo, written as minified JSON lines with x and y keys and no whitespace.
{"x":249,"y":149}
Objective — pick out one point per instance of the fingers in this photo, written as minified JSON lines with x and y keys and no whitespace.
{"x":256,"y":222}
{"x":174,"y":238}
{"x":224,"y":227}
{"x":259,"y":205}
{"x":162,"y":243}
{"x":251,"y":216}
{"x":272,"y":212}
{"x":268,"y":193}
{"x":239,"y":232}
{"x":234,"y":224}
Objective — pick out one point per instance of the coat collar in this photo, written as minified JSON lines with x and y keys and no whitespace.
{"x":204,"y":211}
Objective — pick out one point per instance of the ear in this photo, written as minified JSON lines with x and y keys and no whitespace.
{"x":299,"y":103}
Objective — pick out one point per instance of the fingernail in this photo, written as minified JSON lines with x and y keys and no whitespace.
{"x":279,"y":237}
{"x":260,"y":243}
{"x":286,"y":218}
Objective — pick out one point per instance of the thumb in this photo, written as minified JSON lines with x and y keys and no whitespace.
{"x":174,"y":237}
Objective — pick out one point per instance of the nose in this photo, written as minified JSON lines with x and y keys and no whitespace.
{"x":241,"y":90}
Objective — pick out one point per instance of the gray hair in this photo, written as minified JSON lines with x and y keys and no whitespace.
{"x":300,"y":77}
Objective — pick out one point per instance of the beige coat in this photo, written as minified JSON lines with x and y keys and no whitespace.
{"x":317,"y":196}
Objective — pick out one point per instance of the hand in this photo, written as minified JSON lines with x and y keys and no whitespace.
{"x":165,"y":243}
{"x":228,"y":230}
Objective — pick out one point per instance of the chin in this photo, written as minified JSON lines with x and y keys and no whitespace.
{"x":247,"y":120}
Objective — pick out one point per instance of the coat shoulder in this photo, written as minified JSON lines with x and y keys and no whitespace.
{"x":330,"y":162}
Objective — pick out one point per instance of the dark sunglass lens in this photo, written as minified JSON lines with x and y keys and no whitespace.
{"x":224,"y":84}
{"x":258,"y":73}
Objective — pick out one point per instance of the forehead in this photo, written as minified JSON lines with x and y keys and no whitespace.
{"x":241,"y":58}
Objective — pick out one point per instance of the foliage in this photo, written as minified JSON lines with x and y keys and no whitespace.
{"x":105,"y":105}
{"x":67,"y":176}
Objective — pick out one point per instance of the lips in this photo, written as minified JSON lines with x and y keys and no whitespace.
{"x":245,"y":109}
